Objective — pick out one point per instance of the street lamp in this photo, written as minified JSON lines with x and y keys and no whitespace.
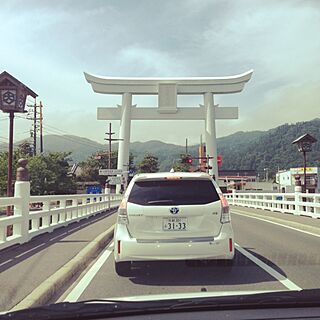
{"x":304,"y":144}
{"x":13,"y":94}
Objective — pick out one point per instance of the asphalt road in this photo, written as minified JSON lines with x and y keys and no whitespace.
{"x":24,"y":267}
{"x":274,"y":252}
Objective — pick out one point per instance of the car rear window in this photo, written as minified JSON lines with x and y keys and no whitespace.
{"x":173,"y":192}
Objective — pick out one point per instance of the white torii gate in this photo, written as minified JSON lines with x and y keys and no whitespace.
{"x":167,"y":90}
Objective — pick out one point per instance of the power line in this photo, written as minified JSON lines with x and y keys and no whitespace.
{"x":70,"y":139}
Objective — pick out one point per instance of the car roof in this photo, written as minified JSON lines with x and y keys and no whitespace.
{"x":159,"y":175}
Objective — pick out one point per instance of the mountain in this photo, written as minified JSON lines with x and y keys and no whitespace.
{"x":270,"y":149}
{"x":257,"y":150}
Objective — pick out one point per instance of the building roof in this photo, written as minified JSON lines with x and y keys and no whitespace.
{"x":305,"y":137}
{"x":245,"y":172}
{"x":15,"y":81}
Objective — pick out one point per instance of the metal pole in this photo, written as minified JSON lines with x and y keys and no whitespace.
{"x":10,"y":155}
{"x":305,"y":171}
{"x":35,"y":129}
{"x":109,"y":161}
{"x":186,"y":145}
{"x":9,"y":181}
{"x":200,"y":153}
{"x":41,"y":134}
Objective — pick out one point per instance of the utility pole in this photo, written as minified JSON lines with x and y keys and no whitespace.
{"x":35,"y":128}
{"x":41,"y":128}
{"x":37,"y":125}
{"x":110,"y":139}
{"x":186,"y":145}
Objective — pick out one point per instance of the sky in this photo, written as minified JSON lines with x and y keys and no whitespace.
{"x":49,"y":44}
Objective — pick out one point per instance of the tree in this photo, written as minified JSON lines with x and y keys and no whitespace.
{"x":90,"y":167}
{"x":149,"y":164}
{"x":26,"y":148}
{"x":183,"y":165}
{"x":49,"y":173}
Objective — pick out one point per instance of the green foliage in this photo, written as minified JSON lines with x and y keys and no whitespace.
{"x":48,"y":173}
{"x":149,"y":164}
{"x":182,"y":165}
{"x":90,"y":167}
{"x":272,"y":149}
{"x":26,"y":148}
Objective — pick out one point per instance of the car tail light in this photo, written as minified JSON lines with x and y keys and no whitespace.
{"x":122,"y":212}
{"x":230,"y":244}
{"x":225,"y":213}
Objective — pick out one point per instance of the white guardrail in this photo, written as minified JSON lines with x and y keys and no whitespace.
{"x":33,"y":215}
{"x":306,"y":204}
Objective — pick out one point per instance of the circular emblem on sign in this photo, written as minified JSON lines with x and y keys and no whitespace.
{"x":174,"y":210}
{"x":8,"y":97}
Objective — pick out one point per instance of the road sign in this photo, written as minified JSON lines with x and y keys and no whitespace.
{"x":109,"y":172}
{"x":115,"y":180}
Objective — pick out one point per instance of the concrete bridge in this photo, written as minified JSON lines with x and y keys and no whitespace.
{"x":63,"y":250}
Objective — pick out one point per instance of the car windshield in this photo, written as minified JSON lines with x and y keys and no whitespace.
{"x":176,"y":192}
{"x":154,"y":150}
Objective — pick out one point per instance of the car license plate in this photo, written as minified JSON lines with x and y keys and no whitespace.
{"x":174,"y":224}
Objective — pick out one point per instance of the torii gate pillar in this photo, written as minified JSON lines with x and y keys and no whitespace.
{"x":210,"y":133}
{"x":125,"y":126}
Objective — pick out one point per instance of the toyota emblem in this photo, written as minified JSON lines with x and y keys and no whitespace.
{"x":174,"y":210}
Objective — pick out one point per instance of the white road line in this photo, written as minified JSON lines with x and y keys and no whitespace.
{"x":276,"y":223}
{"x":3,"y":263}
{"x":30,"y":250}
{"x":275,"y":274}
{"x":76,"y":292}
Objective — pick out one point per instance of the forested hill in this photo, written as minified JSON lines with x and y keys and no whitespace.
{"x":271,"y":149}
{"x":242,"y":150}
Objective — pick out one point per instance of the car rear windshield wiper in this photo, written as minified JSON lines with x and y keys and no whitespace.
{"x":160,"y":201}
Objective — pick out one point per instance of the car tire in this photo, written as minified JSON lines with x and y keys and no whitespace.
{"x":123,"y":268}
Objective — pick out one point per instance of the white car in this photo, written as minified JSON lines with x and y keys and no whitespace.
{"x":172,"y":216}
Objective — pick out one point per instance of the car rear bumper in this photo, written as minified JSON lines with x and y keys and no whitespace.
{"x":129,"y":249}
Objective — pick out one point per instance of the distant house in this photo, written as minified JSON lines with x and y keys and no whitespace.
{"x":286,"y":179}
{"x":236,"y":179}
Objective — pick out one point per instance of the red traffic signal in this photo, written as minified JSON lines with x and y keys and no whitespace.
{"x":219,"y":160}
{"x":186,"y":159}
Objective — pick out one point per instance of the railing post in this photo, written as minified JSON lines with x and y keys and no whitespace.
{"x":63,"y":215}
{"x":233,"y":196}
{"x":297,"y":195}
{"x":22,"y":191}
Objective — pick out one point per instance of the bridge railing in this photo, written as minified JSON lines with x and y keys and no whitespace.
{"x":307,"y":204}
{"x":33,"y":215}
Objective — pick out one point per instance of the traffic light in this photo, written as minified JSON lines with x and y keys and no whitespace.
{"x":186,"y":159}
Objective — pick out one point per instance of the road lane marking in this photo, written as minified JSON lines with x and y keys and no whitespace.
{"x":30,"y":250}
{"x":275,"y":274}
{"x":7,"y":261}
{"x":276,"y":223}
{"x":77,"y":291}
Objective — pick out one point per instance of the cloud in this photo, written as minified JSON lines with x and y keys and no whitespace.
{"x":48,"y":44}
